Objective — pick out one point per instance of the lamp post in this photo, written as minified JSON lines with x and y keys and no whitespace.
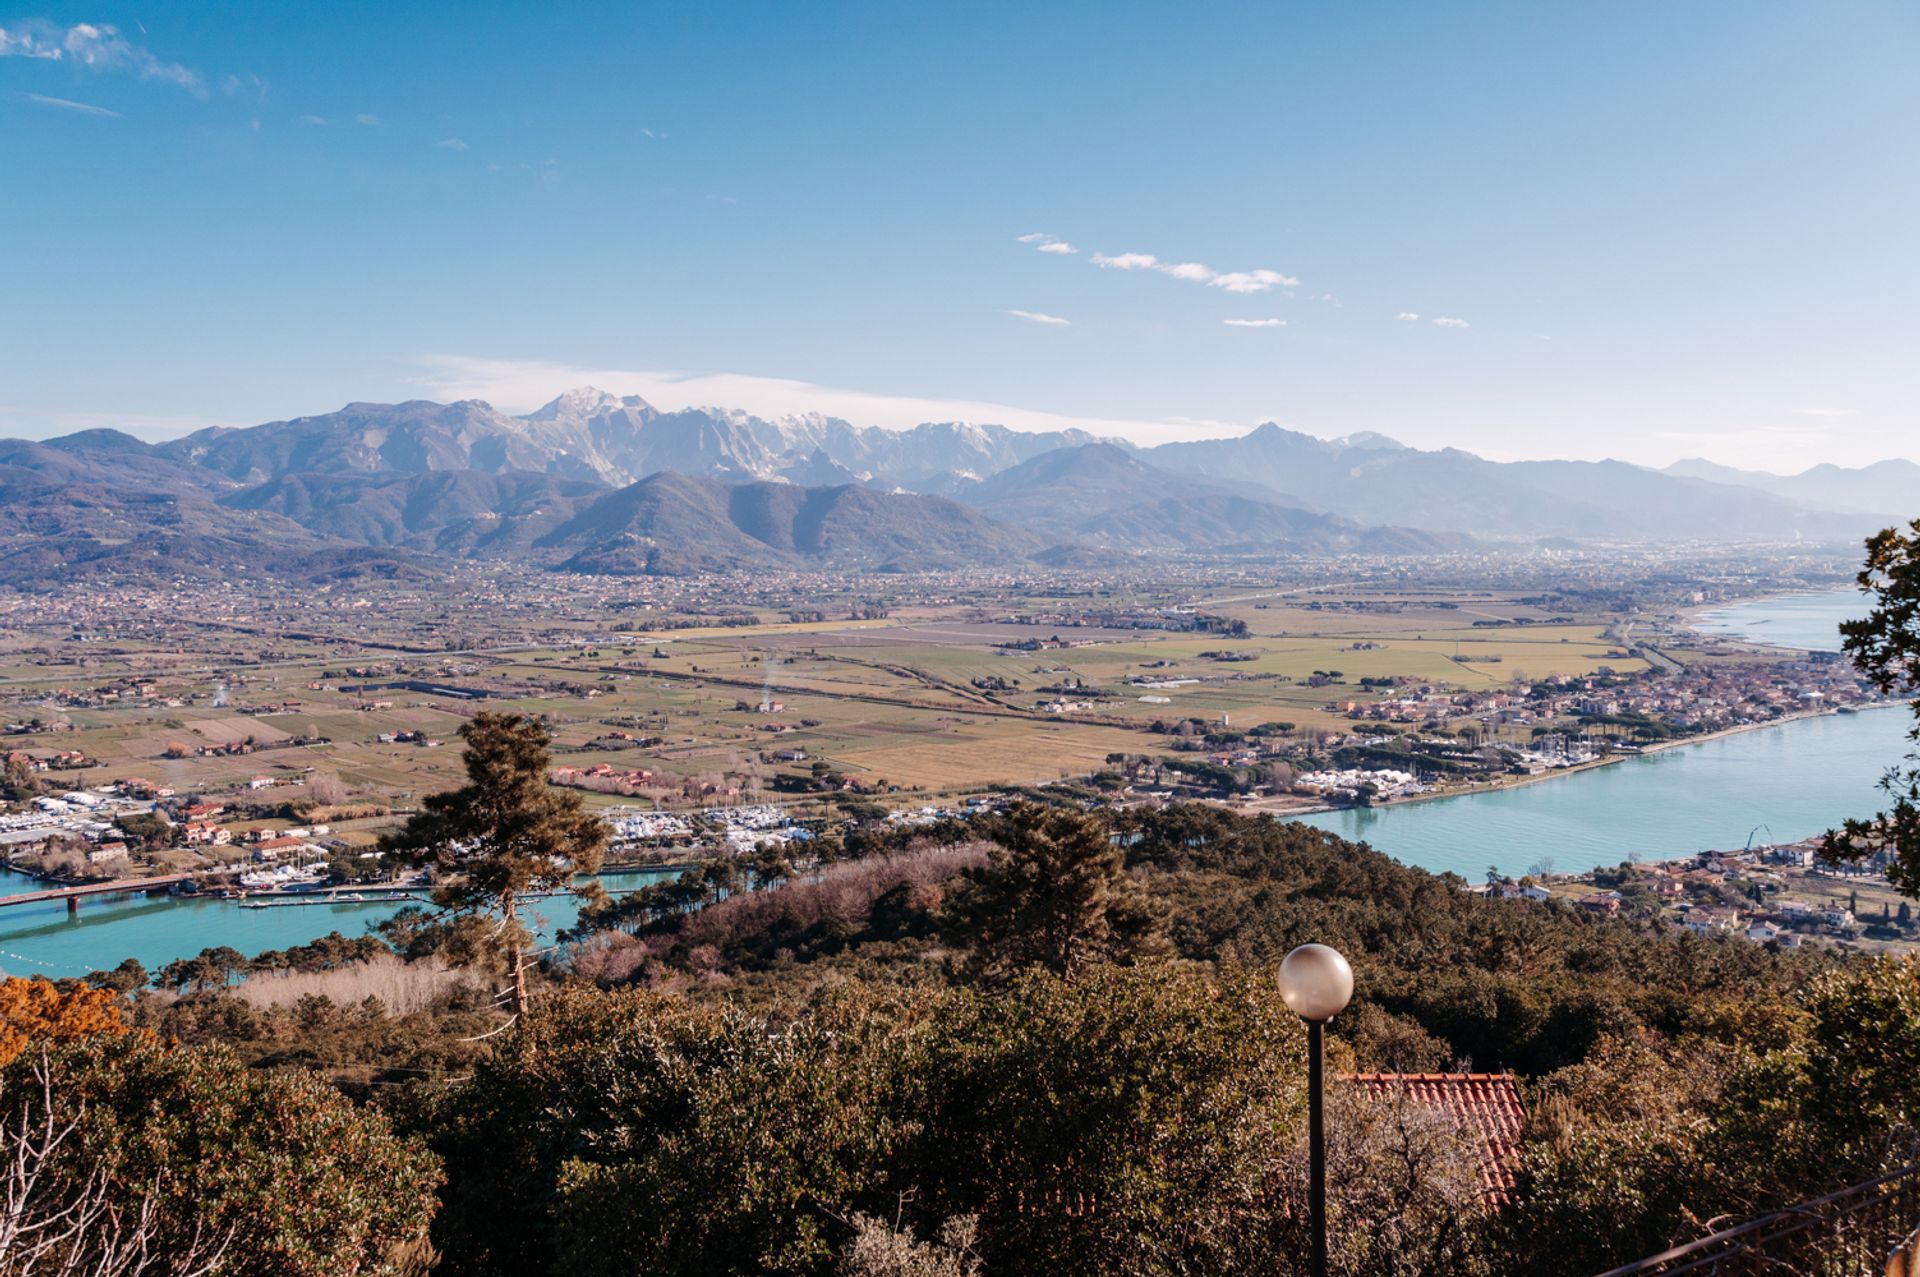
{"x":1316,"y":983}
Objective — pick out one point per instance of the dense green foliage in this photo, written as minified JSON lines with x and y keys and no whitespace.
{"x":1497,"y":984}
{"x":1135,"y":1121}
{"x":1660,"y":1135}
{"x":1055,"y":894}
{"x":278,"y":1170}
{"x":1053,"y":1039}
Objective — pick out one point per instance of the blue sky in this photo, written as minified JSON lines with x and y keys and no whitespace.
{"x":1659,"y":230}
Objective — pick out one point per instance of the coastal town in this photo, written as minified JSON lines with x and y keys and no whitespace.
{"x":774,"y":732}
{"x":1787,"y":895}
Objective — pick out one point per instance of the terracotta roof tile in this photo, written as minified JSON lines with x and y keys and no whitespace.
{"x":1487,"y":1106}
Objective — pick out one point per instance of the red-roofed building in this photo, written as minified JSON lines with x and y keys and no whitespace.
{"x":274,"y":848}
{"x":1486,"y":1105}
{"x":1604,"y":903}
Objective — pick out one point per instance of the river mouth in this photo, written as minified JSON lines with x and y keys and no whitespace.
{"x":1776,"y":783}
{"x":1805,"y":622}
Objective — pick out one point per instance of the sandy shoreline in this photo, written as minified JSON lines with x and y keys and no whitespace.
{"x":1691,"y":617}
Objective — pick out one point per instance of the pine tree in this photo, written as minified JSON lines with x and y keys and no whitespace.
{"x":1056,"y":894}
{"x":1885,"y":645}
{"x":504,"y":834}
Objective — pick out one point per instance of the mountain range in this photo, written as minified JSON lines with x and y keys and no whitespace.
{"x":1889,"y":490}
{"x":592,"y":482}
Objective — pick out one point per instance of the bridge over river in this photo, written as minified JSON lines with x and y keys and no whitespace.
{"x":72,"y":895}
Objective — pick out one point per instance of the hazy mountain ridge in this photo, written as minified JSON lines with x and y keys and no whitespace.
{"x":1106,"y":496}
{"x":570,"y":483}
{"x":589,"y":434}
{"x":1889,"y":489}
{"x":1367,"y":478}
{"x":676,"y":524}
{"x":56,"y":529}
{"x":468,"y":513}
{"x":1454,"y":491}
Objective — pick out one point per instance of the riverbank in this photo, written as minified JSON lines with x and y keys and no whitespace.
{"x":1311,"y":808}
{"x":1787,"y":784}
{"x":1560,"y":773}
{"x":1807,"y":610}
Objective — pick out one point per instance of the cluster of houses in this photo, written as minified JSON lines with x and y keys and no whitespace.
{"x":1694,"y":893}
{"x":1698,"y":698}
{"x":93,"y":824}
{"x":632,"y":826}
{"x":603,"y":778}
{"x":408,"y":736}
{"x":747,"y":829}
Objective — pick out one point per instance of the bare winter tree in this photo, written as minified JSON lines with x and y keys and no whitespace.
{"x":53,"y":1224}
{"x":879,"y":1249}
{"x":327,"y":788}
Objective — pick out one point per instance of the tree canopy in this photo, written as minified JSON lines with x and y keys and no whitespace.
{"x":1885,"y":644}
{"x":504,"y":834}
{"x":1056,"y":895}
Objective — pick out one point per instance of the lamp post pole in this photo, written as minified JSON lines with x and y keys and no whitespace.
{"x":1317,"y":1143}
{"x":1317,"y":984}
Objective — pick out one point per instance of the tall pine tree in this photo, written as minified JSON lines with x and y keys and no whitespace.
{"x":1056,"y":894}
{"x":503,"y":835}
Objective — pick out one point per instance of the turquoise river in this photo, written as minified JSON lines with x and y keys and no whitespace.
{"x":1787,"y":781}
{"x":1777,"y":784}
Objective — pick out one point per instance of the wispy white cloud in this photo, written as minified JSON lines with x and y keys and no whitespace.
{"x":68,"y":104}
{"x":1046,"y":243}
{"x":247,"y":86}
{"x":19,"y":43}
{"x":451,"y":144}
{"x":1254,"y":323}
{"x":318,"y":121}
{"x":1238,"y":281}
{"x":367,"y":118}
{"x":1257,"y":281}
{"x":1448,"y":321}
{"x":1038,"y":317}
{"x":95,"y":47}
{"x":1408,"y":315}
{"x":518,"y":385}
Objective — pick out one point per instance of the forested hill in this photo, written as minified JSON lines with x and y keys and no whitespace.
{"x":1444,"y":976}
{"x":1041,"y":1041}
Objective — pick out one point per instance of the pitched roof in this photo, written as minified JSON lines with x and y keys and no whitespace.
{"x":1487,"y":1106}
